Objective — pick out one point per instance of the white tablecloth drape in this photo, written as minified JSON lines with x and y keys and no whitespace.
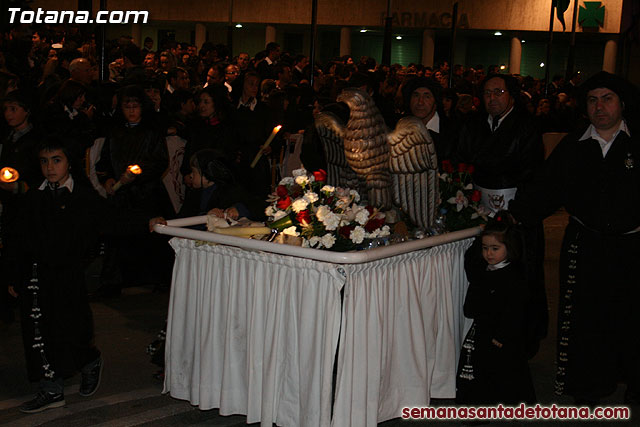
{"x":253,"y":333}
{"x":401,"y":335}
{"x":256,"y":333}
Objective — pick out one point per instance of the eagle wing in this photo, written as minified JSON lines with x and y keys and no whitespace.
{"x":331,"y":130}
{"x":414,"y":171}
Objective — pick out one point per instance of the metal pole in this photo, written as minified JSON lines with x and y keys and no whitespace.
{"x":314,"y":30}
{"x":572,"y":44}
{"x":547,"y":65}
{"x":230,"y":30}
{"x":386,"y":44}
{"x":454,"y":31}
{"x":103,"y":72}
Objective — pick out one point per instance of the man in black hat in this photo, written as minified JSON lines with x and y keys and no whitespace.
{"x":594,"y":174}
{"x":423,"y":99}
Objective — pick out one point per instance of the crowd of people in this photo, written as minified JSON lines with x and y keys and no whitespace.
{"x":193,"y":119}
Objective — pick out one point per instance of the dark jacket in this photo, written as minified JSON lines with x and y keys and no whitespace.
{"x":505,"y":158}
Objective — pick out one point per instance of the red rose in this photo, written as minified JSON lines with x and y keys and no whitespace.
{"x":284,"y":203}
{"x":476,"y":196}
{"x":304,"y":217}
{"x":373,"y":224}
{"x":447,"y":166}
{"x":320,"y":175}
{"x":346,"y":231}
{"x":462,"y":167}
{"x":470,"y":169}
{"x":281,"y":191}
{"x":296,"y":191}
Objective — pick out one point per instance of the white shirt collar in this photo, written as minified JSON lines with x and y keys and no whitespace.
{"x":251,"y":104}
{"x":592,"y":133}
{"x":434,"y":123}
{"x":228,"y":86}
{"x":67,"y":184}
{"x":490,"y":118}
{"x":498,"y":266}
{"x":71,"y":112}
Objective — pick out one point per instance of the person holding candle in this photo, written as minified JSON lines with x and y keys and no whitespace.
{"x":251,"y":123}
{"x":134,"y":140}
{"x":18,"y":151}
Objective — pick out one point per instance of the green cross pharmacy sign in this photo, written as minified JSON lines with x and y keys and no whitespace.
{"x":591,"y":14}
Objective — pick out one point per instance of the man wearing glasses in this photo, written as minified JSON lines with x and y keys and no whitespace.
{"x":505,"y":148}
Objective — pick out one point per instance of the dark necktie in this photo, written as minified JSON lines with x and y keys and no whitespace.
{"x":494,"y":123}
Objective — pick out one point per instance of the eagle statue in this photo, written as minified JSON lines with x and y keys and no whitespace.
{"x":391,"y":168}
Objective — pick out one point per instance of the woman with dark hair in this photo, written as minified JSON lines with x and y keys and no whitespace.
{"x":133,"y":140}
{"x":213,"y":129}
{"x":69,"y":117}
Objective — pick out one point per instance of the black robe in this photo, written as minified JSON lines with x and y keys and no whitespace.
{"x":487,"y":374}
{"x":598,"y":317}
{"x":508,"y":158}
{"x":58,"y":230}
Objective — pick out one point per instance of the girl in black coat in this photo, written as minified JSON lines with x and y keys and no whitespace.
{"x":493,"y":364}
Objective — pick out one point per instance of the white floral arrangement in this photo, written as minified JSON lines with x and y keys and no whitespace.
{"x":324,"y":216}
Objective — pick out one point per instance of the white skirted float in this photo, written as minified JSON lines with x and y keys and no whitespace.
{"x":354,"y":323}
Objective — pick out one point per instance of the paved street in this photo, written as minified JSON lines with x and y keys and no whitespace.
{"x":130,"y":396}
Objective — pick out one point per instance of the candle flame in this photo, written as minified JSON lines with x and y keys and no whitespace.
{"x":9,"y":175}
{"x":277,"y":128}
{"x":135,"y":169}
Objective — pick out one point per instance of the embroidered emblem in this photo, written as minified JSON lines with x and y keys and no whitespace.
{"x":497,"y":201}
{"x":628,"y":162}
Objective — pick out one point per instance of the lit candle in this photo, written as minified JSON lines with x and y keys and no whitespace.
{"x":266,"y":144}
{"x":132,"y":172}
{"x":9,"y":175}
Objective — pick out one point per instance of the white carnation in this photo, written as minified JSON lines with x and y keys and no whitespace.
{"x":328,"y":240}
{"x":286,"y":181}
{"x":299,"y":205}
{"x":302,"y":180}
{"x":357,"y":235}
{"x":322,"y":212}
{"x":355,"y":195}
{"x":328,"y":189}
{"x":362,"y":216}
{"x":291,"y":231}
{"x":313,"y":241}
{"x":342,"y":203}
{"x":384,"y":231}
{"x":270,"y":211}
{"x":311,"y":197}
{"x":299,"y":172}
{"x":331,"y":221}
{"x":279,"y":214}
